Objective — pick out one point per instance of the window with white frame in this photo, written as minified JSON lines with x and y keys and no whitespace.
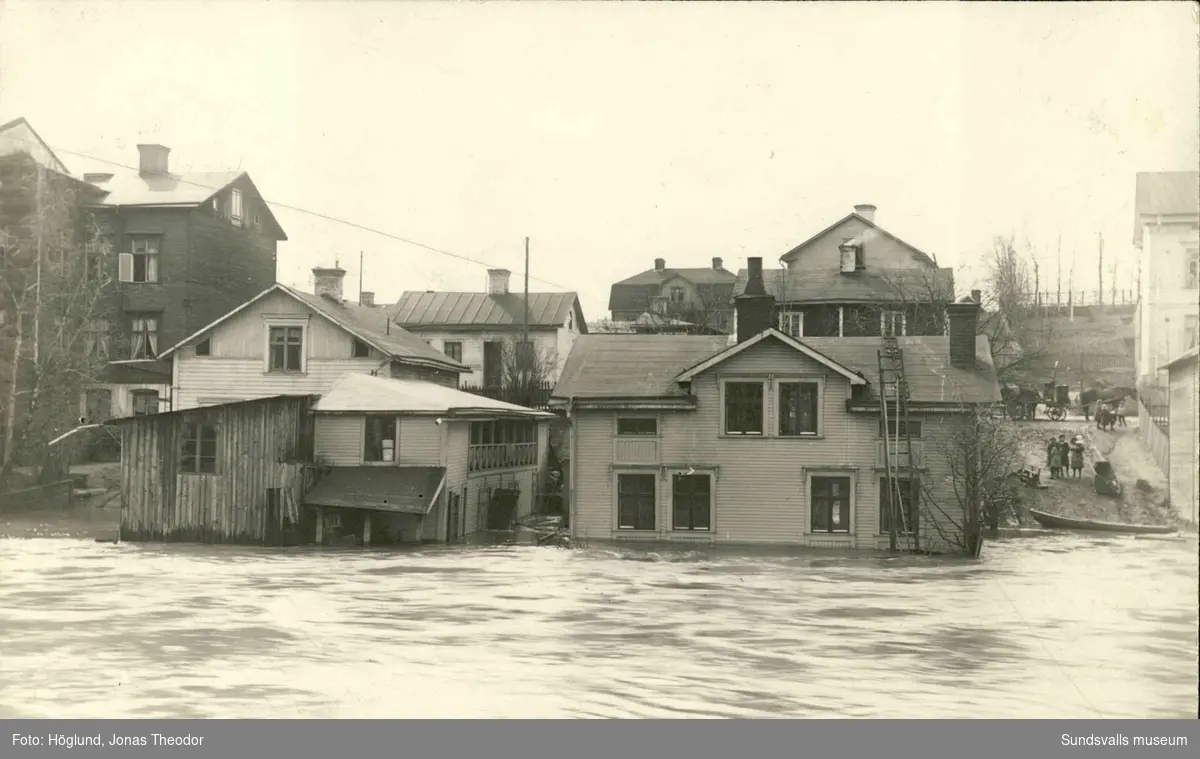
{"x":144,"y":337}
{"x":96,"y":338}
{"x":677,"y":295}
{"x":691,"y":502}
{"x":799,"y":408}
{"x":792,"y":323}
{"x":893,"y":323}
{"x":637,"y":426}
{"x":1190,"y":331}
{"x":829,"y":499}
{"x":235,"y":206}
{"x":285,"y":349}
{"x":637,"y":500}
{"x":453,"y":350}
{"x":145,"y":402}
{"x":379,"y":439}
{"x":1191,"y":277}
{"x":140,"y":264}
{"x":909,"y":498}
{"x":745,"y":407}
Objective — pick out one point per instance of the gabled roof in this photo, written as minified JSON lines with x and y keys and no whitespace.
{"x":766,"y":334}
{"x":646,"y":367}
{"x":912,"y":285}
{"x":1165,"y":193}
{"x":634,"y":293}
{"x":460,"y":309}
{"x":791,"y":254}
{"x":19,"y":122}
{"x":1190,"y":355}
{"x":186,"y":190}
{"x":369,"y":325}
{"x":362,"y":393}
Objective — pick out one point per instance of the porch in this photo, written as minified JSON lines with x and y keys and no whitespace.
{"x":861,"y":319}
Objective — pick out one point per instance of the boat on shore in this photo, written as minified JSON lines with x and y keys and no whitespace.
{"x":1058,"y":522}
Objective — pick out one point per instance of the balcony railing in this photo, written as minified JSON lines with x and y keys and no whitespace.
{"x":899,"y":450}
{"x":501,"y":456}
{"x":537,"y":396}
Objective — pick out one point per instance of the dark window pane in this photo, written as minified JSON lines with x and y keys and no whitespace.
{"x":636,"y":501}
{"x":744,"y":408}
{"x":910,"y":501}
{"x":798,"y":408}
{"x":637,"y":426}
{"x":830,"y":497}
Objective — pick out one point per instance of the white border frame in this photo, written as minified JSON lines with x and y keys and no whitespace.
{"x":850,"y":474}
{"x":817,"y":380}
{"x":656,"y":473}
{"x":762,"y":379}
{"x":281,"y":320}
{"x":669,"y":487}
{"x":362,"y":443}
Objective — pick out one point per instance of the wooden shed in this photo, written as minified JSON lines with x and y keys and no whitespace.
{"x":231,"y":473}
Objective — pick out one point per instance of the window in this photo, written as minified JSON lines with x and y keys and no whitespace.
{"x":911,"y":428}
{"x":96,"y":339}
{"x":145,"y":402}
{"x":361,"y":349}
{"x":198,"y":451}
{"x":638,"y":425}
{"x":216,"y":204}
{"x":257,"y":222}
{"x":235,"y":205}
{"x":379,"y":441}
{"x":144,"y":342}
{"x":502,"y":443}
{"x":860,"y":257}
{"x":691,"y":502}
{"x":798,"y":408}
{"x":1191,"y":277}
{"x":677,"y":295}
{"x":791,"y":323}
{"x":453,"y":350}
{"x":204,"y":347}
{"x":286,"y":349}
{"x":893,"y":323}
{"x":636,"y":501}
{"x":830,"y":504}
{"x":1190,"y":336}
{"x":141,"y":264}
{"x":909,"y":500}
{"x":744,"y":408}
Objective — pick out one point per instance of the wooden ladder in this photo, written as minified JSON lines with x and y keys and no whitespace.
{"x":893,"y":386}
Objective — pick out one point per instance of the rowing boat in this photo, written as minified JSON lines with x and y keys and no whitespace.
{"x":1058,"y":522}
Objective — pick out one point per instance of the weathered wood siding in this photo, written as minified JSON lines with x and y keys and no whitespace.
{"x":458,"y":440}
{"x":1184,"y":442}
{"x":260,"y":446}
{"x":760,"y":484}
{"x":237,"y":366}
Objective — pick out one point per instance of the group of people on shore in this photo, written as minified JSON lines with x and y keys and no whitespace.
{"x":1062,"y":455}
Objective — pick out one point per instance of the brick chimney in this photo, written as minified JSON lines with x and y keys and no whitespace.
{"x":328,"y":282}
{"x":498,"y":281}
{"x":659,"y":264}
{"x":366,"y":298}
{"x":866,"y":210}
{"x":718,"y":263}
{"x":963,"y":323}
{"x":152,"y":159}
{"x":755,"y":306}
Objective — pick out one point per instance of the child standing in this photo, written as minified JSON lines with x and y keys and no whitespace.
{"x":1077,"y":457}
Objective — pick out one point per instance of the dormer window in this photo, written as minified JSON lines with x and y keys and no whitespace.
{"x":860,"y":256}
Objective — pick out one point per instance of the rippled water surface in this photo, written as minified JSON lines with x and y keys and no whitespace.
{"x":1055,"y":626}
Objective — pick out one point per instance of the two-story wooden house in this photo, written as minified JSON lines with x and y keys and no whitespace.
{"x":283,"y":341}
{"x":482,"y":329}
{"x":856,"y":279}
{"x":661,"y":299}
{"x":773,"y":439}
{"x":189,"y":247}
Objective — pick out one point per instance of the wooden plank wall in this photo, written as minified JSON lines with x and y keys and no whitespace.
{"x":261,"y":445}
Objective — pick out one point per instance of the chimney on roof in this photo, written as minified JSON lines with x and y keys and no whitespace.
{"x":963,"y":318}
{"x":849,"y":254}
{"x":328,"y":282}
{"x":718,"y":263}
{"x":497,"y":283}
{"x":866,"y":210}
{"x":660,"y":264}
{"x":152,"y":159}
{"x":366,"y":298}
{"x":755,"y":307}
{"x":97,"y":178}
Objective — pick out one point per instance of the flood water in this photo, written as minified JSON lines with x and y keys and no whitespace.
{"x":1041,"y":627}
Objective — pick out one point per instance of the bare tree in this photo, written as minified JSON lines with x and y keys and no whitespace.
{"x":53,"y":292}
{"x":525,"y":370}
{"x":707,"y":310}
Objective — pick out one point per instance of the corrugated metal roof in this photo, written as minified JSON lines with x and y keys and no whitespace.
{"x":634,"y":293}
{"x":453,"y":309}
{"x":1166,"y":193}
{"x":190,"y":189}
{"x":645,"y":366}
{"x":867,"y":286}
{"x":394,"y":489}
{"x":366,"y":394}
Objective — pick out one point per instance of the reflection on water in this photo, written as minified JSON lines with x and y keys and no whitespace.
{"x":1052,"y":627}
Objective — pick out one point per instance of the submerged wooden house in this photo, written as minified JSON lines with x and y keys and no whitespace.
{"x":233,"y":473}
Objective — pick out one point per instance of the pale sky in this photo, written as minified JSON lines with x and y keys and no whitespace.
{"x":615,"y":133}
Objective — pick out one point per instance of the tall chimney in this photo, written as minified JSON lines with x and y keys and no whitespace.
{"x":866,"y":210}
{"x":963,"y":316}
{"x":717,"y":263}
{"x":366,"y":298}
{"x":498,"y":281}
{"x":659,"y":264}
{"x":152,"y":159}
{"x":755,"y":306}
{"x":327,"y":282}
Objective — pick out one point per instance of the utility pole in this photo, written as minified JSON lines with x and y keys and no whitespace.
{"x":360,"y":276}
{"x":1100,"y":267}
{"x":525,"y":318}
{"x":1058,"y":258}
{"x":37,"y":298}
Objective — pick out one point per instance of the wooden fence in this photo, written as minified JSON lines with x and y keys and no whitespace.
{"x":1082,"y":298}
{"x":537,"y":397}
